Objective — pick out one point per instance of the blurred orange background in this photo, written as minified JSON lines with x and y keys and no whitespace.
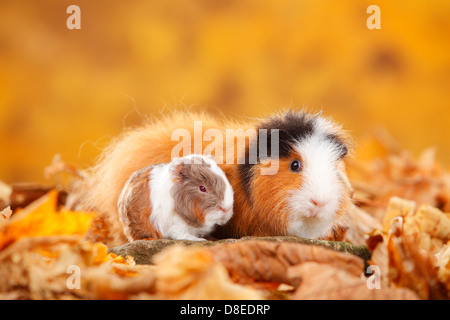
{"x":70,"y":91}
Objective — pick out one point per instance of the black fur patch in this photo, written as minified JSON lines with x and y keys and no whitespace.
{"x":293,"y":126}
{"x":341,"y":145}
{"x":245,"y":171}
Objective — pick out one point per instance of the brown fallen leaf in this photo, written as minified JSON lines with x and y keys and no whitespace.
{"x":412,"y":267}
{"x":5,"y":194}
{"x":381,"y":170}
{"x":42,"y":218}
{"x":377,"y":244}
{"x":267,"y":261}
{"x":5,"y":214}
{"x":24,"y":194}
{"x":397,"y":207}
{"x":431,"y":225}
{"x":324,"y":281}
{"x":28,"y":268}
{"x":61,"y":173}
{"x":406,"y":253}
{"x":99,"y":230}
{"x":443,"y":264}
{"x":43,"y":267}
{"x":193,"y":273}
{"x":361,"y":224}
{"x":115,"y":281}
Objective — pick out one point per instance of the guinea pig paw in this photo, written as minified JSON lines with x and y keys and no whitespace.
{"x":198,"y":239}
{"x":191,"y":238}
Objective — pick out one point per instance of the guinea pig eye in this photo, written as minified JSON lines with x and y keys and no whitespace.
{"x":296,"y":166}
{"x":202,"y":189}
{"x":344,"y":152}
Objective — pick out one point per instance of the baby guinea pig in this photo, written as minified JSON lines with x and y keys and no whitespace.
{"x":183,"y":199}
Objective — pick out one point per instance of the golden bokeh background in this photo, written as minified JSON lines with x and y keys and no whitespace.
{"x":70,"y":91}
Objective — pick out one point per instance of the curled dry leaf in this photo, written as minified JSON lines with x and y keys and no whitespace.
{"x":361,"y":224}
{"x":5,"y":214}
{"x":443,"y":264}
{"x":114,"y":280}
{"x":412,"y":267}
{"x":40,"y":246}
{"x":377,"y":244}
{"x":41,"y":218}
{"x":99,"y":230}
{"x":398,"y":207}
{"x":32,"y":267}
{"x":431,"y":225}
{"x":192,"y":273}
{"x":61,"y":172}
{"x":380,"y":170}
{"x":46,"y":268}
{"x":406,"y":254}
{"x":5,"y":194}
{"x":267,"y":261}
{"x":324,"y":281}
{"x":24,"y":194}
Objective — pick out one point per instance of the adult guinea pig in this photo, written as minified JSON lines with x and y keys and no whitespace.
{"x":183,"y":199}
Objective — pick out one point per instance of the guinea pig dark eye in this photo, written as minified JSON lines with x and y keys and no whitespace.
{"x":202,"y":189}
{"x":295,"y":166}
{"x":344,"y":151}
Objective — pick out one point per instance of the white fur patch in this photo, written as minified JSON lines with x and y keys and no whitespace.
{"x":321,"y":184}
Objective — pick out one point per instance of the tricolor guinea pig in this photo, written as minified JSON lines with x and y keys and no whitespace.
{"x":183,"y":199}
{"x":309,"y":194}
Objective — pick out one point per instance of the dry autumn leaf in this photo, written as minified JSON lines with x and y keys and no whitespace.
{"x":40,"y":268}
{"x":5,"y":214}
{"x":408,"y":250}
{"x":193,"y":273}
{"x":432,"y":226}
{"x":361,"y":224}
{"x":397,"y":208}
{"x":324,"y":281}
{"x":41,"y":218}
{"x":380,"y":171}
{"x":268,"y":262}
{"x":443,"y":264}
{"x":412,"y":267}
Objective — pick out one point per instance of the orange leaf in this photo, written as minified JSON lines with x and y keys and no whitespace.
{"x":41,"y":218}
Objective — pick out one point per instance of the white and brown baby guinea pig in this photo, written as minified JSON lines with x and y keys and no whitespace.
{"x":183,"y":199}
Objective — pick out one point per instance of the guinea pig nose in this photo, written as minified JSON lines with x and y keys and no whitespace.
{"x":318,"y":203}
{"x":225,"y":210}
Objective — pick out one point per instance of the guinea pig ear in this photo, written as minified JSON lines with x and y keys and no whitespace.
{"x":178,"y":170}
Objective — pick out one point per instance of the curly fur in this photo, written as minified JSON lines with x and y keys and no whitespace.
{"x":261,"y":203}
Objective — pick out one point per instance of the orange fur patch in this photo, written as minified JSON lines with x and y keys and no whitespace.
{"x":135,"y":209}
{"x":199,"y":214}
{"x":268,"y":200}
